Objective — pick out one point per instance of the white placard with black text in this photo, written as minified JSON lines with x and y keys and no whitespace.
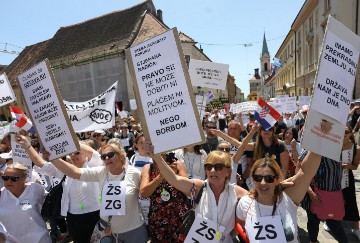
{"x":6,"y":92}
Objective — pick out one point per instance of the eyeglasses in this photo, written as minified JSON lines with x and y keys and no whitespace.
{"x":224,"y":149}
{"x":211,"y":127}
{"x":217,"y":167}
{"x":108,"y":155}
{"x":12,"y":178}
{"x":267,"y":178}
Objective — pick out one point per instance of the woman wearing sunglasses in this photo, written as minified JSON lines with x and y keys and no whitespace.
{"x":20,"y":205}
{"x":269,"y":213}
{"x":120,"y":211}
{"x":219,"y":197}
{"x":79,"y":201}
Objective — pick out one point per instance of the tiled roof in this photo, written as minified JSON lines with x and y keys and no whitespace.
{"x":116,"y":29}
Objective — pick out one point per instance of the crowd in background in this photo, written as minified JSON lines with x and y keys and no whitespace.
{"x":156,"y":203}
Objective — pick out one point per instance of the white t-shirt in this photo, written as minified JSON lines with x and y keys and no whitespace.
{"x":298,"y":149}
{"x":78,"y":197}
{"x":248,"y":207}
{"x":193,"y":162}
{"x":139,"y":161}
{"x":133,"y":216}
{"x":21,"y":216}
{"x":222,"y":213}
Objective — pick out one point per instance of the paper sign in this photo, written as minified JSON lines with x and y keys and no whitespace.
{"x":94,"y":114}
{"x":323,"y":135}
{"x":20,"y":155}
{"x":208,"y":74}
{"x":209,"y":96}
{"x":6,"y":92}
{"x":290,"y":105}
{"x":334,"y":81}
{"x":201,"y":105}
{"x":164,"y":93}
{"x":47,"y":110}
{"x":304,"y":100}
{"x":133,"y":105}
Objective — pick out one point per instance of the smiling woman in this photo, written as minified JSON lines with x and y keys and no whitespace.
{"x":21,"y":202}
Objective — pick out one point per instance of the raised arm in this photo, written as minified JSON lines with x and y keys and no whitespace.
{"x":148,"y":186}
{"x":67,"y":168}
{"x":226,"y":137}
{"x":302,"y":179}
{"x":240,"y":151}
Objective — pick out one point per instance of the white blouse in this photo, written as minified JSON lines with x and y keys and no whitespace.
{"x":193,"y":162}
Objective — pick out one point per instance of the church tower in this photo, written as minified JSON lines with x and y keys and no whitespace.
{"x":265,"y":60}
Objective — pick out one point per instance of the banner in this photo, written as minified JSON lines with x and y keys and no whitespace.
{"x":94,"y":114}
{"x":208,"y":74}
{"x":334,"y":81}
{"x":47,"y":110}
{"x":164,"y":93}
{"x":6,"y":92}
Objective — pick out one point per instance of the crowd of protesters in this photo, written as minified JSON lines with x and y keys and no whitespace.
{"x":239,"y":172}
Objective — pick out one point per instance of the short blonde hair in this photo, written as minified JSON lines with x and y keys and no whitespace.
{"x":219,"y":156}
{"x":20,"y":167}
{"x":117,"y":149}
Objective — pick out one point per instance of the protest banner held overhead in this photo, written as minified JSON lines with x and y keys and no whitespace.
{"x":6,"y":92}
{"x":208,"y":74}
{"x":163,"y":91}
{"x":333,"y":88}
{"x":47,"y":110}
{"x":94,"y":114}
{"x":334,"y":81}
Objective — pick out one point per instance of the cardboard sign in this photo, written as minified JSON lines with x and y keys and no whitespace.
{"x":97,"y":113}
{"x":334,"y":81}
{"x":164,"y":93}
{"x":204,"y":230}
{"x":20,"y":155}
{"x":6,"y":92}
{"x":208,"y":74}
{"x":323,"y":135}
{"x":47,"y":110}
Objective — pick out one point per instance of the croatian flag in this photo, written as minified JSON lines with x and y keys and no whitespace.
{"x":266,"y":115}
{"x":23,"y":121}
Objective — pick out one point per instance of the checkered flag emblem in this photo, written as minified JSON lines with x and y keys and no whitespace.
{"x":264,"y":111}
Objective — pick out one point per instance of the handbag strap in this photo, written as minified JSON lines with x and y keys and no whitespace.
{"x":198,"y":196}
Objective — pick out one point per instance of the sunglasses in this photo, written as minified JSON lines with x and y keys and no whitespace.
{"x":347,"y":132}
{"x":108,"y":155}
{"x":211,"y":127}
{"x":12,"y":178}
{"x":267,"y":178}
{"x":217,"y":167}
{"x":224,"y":149}
{"x":96,"y":135}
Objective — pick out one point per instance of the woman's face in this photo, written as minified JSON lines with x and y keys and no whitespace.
{"x":112,"y":160}
{"x":15,"y":187}
{"x":262,"y":187}
{"x":266,"y":134}
{"x":78,"y":159}
{"x":289,"y":135}
{"x":216,"y":172}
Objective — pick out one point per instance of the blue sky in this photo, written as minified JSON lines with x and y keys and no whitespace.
{"x":228,"y":23}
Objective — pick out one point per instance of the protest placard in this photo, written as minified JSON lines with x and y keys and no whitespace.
{"x":20,"y":155}
{"x":290,"y":105}
{"x":201,"y":105}
{"x":323,"y":135}
{"x":304,"y":100}
{"x":6,"y":92}
{"x":133,"y":105}
{"x":163,"y":92}
{"x":47,"y":110}
{"x":334,"y":80}
{"x":94,"y":114}
{"x":208,"y":74}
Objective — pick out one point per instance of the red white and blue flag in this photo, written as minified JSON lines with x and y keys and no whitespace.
{"x":22,"y":121}
{"x":266,"y":115}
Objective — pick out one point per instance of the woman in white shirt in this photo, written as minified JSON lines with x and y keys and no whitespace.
{"x":219,"y":197}
{"x":20,"y":205}
{"x":119,"y":187}
{"x":194,"y":158}
{"x":269,"y":212}
{"x":80,"y":200}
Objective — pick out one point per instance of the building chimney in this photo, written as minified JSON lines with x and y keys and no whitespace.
{"x":159,"y":15}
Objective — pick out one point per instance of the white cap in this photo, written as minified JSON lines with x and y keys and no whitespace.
{"x":100,"y":132}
